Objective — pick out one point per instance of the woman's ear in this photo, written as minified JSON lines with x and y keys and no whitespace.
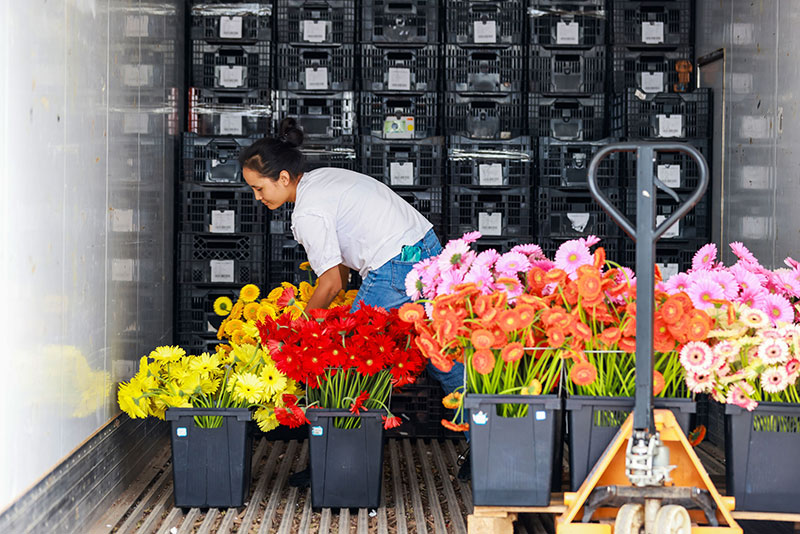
{"x":285,"y":178}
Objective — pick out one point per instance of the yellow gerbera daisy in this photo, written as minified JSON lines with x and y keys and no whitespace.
{"x":131,"y":400}
{"x":238,"y":337}
{"x":236,"y":312}
{"x":305,"y":266}
{"x":204,"y":364}
{"x":233,"y":326}
{"x":534,"y":388}
{"x":275,"y":294}
{"x":167,"y":353}
{"x":267,"y":310}
{"x":248,"y":388}
{"x":190,"y":384}
{"x":251,"y":311}
{"x":266,"y":419}
{"x":223,"y":306}
{"x":209,"y":386}
{"x":249,"y":293}
{"x":274,"y":381}
{"x":306,"y":290}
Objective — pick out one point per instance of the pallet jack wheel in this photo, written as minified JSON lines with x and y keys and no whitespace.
{"x":673,"y":519}
{"x":630,"y":519}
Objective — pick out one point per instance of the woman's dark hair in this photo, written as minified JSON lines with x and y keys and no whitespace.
{"x":269,"y":156}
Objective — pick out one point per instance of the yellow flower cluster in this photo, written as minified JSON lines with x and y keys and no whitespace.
{"x":237,"y":376}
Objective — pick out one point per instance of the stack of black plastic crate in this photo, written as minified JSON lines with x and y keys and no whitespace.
{"x":656,"y":99}
{"x":222,"y":230}
{"x":488,"y":146}
{"x":314,"y":80}
{"x":567,"y":76}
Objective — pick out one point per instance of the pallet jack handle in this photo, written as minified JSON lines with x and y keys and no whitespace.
{"x":645,"y":234}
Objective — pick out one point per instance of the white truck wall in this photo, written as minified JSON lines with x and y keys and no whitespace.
{"x":88,"y":141}
{"x":757,"y":135}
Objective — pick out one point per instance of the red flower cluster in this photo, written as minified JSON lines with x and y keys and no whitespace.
{"x":291,"y":414}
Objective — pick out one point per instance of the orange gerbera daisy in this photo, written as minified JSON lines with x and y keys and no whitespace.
{"x":555,"y":275}
{"x":427,"y":345}
{"x":672,"y":310}
{"x":627,"y":344}
{"x":526,"y":314}
{"x":599,"y":257}
{"x":251,"y":311}
{"x":609,"y":336}
{"x":509,"y":320}
{"x":449,"y":425}
{"x":589,"y":284}
{"x":482,"y":338}
{"x":699,"y":325}
{"x":512,"y":352}
{"x":452,"y":401}
{"x":697,"y":435}
{"x":482,"y":303}
{"x":411,"y":312}
{"x":581,"y":331}
{"x":583,"y":374}
{"x":555,"y":337}
{"x":536,"y":280}
{"x":483,"y":361}
{"x":658,"y":382}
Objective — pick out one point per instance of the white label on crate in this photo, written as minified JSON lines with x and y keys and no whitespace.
{"x":670,"y":175}
{"x":672,"y":231}
{"x":401,"y":173}
{"x":567,"y":33}
{"x":490,"y":174}
{"x":122,"y":270}
{"x":640,"y":95}
{"x":122,"y":220}
{"x":398,"y":127}
{"x":230,"y":75}
{"x":137,"y":75}
{"x":314,"y":31}
{"x":181,"y":432}
{"x":541,"y":415}
{"x":135,"y":123}
{"x":230,"y":124}
{"x":670,"y":126}
{"x":222,"y":221}
{"x":230,"y":27}
{"x":221,"y":270}
{"x":399,"y":79}
{"x":578,"y":221}
{"x":316,"y":431}
{"x":210,"y":327}
{"x":316,"y":78}
{"x":652,"y":32}
{"x":668,"y":270}
{"x":652,"y":82}
{"x":490,"y":223}
{"x":136,"y":25}
{"x":480,"y":418}
{"x":485,"y":31}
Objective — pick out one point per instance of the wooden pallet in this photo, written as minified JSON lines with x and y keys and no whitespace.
{"x":500,"y":520}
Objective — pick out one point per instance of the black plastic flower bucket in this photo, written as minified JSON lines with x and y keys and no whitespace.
{"x":512,"y":457}
{"x":210,"y":466}
{"x":762,"y":466}
{"x":594,"y":421}
{"x":346,"y":464}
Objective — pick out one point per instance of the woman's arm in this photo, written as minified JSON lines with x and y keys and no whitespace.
{"x":330,"y":283}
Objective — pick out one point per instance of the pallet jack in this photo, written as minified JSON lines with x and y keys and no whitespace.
{"x":649,"y":479}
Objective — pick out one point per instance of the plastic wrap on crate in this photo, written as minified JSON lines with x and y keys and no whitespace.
{"x":230,"y":210}
{"x":403,"y":163}
{"x":568,"y":118}
{"x":231,"y":65}
{"x":576,"y":23}
{"x":330,"y":155}
{"x":328,"y":116}
{"x":242,"y":113}
{"x":195,"y":311}
{"x":285,"y":257}
{"x":220,"y":258}
{"x":485,"y":116}
{"x":478,"y":22}
{"x":567,"y":71}
{"x":403,"y":23}
{"x":399,"y":116}
{"x":231,"y":22}
{"x":492,"y":212}
{"x":696,"y":224}
{"x":428,"y":202}
{"x":213,"y":160}
{"x":483,"y":70}
{"x":315,"y":69}
{"x":574,"y":214}
{"x":399,"y":69}
{"x":144,"y":121}
{"x":678,"y":170}
{"x":672,"y":255}
{"x":475,"y":163}
{"x":639,"y":115}
{"x":564,"y":164}
{"x":652,"y":22}
{"x":315,"y":22}
{"x":651,"y":70}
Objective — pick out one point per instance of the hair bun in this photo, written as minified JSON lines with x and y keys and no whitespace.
{"x":289,"y":132}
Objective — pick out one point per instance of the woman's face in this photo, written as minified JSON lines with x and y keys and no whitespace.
{"x":272,"y":193}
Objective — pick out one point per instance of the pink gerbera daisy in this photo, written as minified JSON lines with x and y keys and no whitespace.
{"x":449,"y":279}
{"x":792,"y":366}
{"x":789,"y":284}
{"x":728,"y":283}
{"x":414,"y":285}
{"x":471,"y":237}
{"x":571,"y":255}
{"x":705,"y":257}
{"x":696,"y":357}
{"x":510,"y":263}
{"x":544,"y":264}
{"x":726,"y":350}
{"x":774,"y":379}
{"x":703,"y":290}
{"x":589,"y":240}
{"x":452,"y":255}
{"x":738,"y":397}
{"x":529,"y":249}
{"x":745,"y":278}
{"x":773,"y":351}
{"x":753,"y":318}
{"x":481,"y":276}
{"x":777,"y":309}
{"x":487,"y":258}
{"x":753,"y":297}
{"x":742,"y":252}
{"x":677,"y":283}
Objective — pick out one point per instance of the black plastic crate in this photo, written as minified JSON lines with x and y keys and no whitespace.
{"x":574,"y":23}
{"x":195,"y":311}
{"x":612,"y":246}
{"x":696,"y":224}
{"x":568,"y":118}
{"x":401,"y":164}
{"x":501,"y":245}
{"x":391,"y":22}
{"x":474,"y":163}
{"x":322,"y":116}
{"x":195,"y":343}
{"x":213,"y":160}
{"x":285,"y":257}
{"x":564,"y":164}
{"x":420,"y":407}
{"x":677,"y":170}
{"x":241,"y":113}
{"x":315,"y":69}
{"x":652,"y":71}
{"x":330,"y":155}
{"x":567,"y":71}
{"x":484,"y":70}
{"x":316,"y":22}
{"x":399,"y":69}
{"x":637,"y":115}
{"x":231,"y":65}
{"x":485,"y":116}
{"x":575,"y":214}
{"x":231,"y":22}
{"x":220,"y":258}
{"x":652,"y":22}
{"x":220,"y":211}
{"x":483,"y":22}
{"x":428,"y":202}
{"x":672,"y":255}
{"x":399,"y":116}
{"x":494,"y":213}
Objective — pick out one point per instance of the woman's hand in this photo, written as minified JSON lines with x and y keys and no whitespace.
{"x":331,"y":282}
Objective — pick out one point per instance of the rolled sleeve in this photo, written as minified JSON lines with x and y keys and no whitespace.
{"x":318,"y":236}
